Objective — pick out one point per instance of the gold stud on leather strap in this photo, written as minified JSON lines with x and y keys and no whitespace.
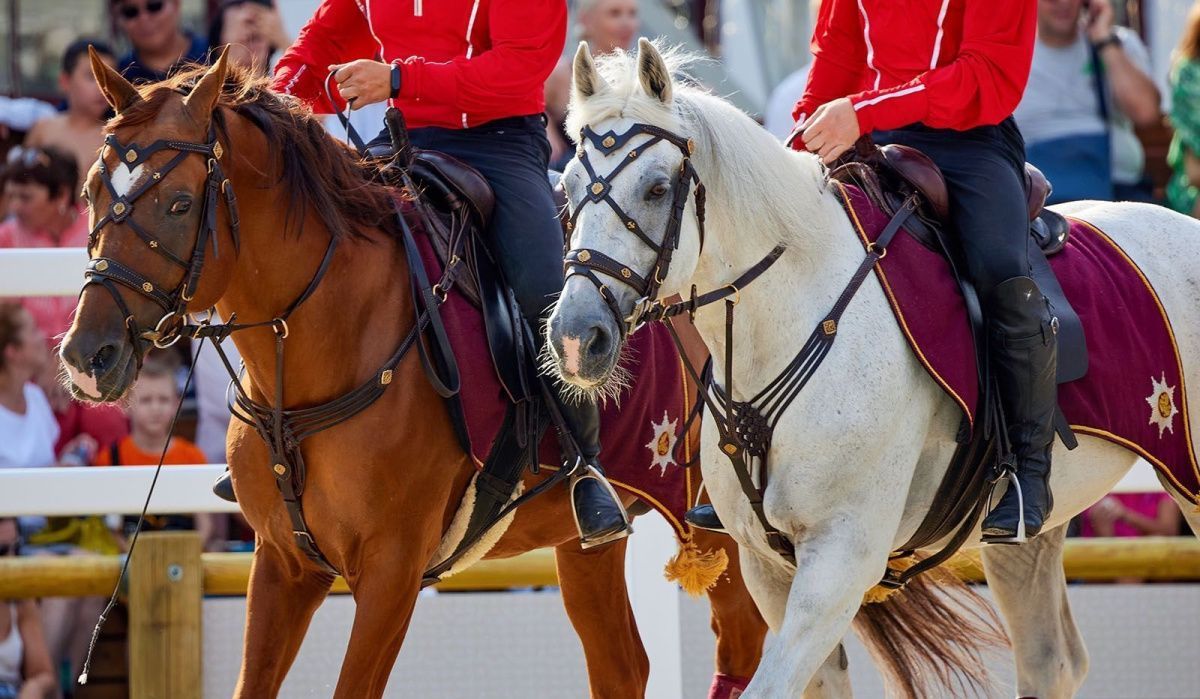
{"x":147,"y":287}
{"x":730,"y":448}
{"x":153,"y":243}
{"x":101,"y":265}
{"x":626,"y":273}
{"x":280,"y":469}
{"x":585,"y":256}
{"x":597,"y":188}
{"x":386,"y":377}
{"x":119,"y":208}
{"x":130,"y":155}
{"x":218,"y":151}
{"x":609,"y":142}
{"x":829,"y":327}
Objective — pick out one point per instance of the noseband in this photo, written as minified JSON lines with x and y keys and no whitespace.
{"x":582,"y":261}
{"x":109,"y":273}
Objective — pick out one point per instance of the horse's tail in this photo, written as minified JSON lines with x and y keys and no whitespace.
{"x":932,"y":636}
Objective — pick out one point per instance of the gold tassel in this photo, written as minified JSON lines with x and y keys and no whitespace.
{"x":695,"y":571}
{"x":879,"y":593}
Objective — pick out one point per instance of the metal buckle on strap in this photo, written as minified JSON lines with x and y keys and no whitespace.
{"x":637,"y":314}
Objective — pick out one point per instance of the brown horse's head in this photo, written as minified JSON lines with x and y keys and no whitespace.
{"x":159,"y":216}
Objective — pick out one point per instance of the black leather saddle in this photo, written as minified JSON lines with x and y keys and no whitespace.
{"x":891,"y":173}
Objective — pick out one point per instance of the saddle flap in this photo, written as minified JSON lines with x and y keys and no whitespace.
{"x":455,"y":183}
{"x":501,"y":323}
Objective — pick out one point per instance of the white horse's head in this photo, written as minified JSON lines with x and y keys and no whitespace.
{"x":631,"y":190}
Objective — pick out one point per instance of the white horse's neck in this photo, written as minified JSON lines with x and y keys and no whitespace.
{"x":777,"y":312}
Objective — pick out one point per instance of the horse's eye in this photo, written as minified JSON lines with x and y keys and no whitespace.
{"x":181,"y":206}
{"x":658,"y":191}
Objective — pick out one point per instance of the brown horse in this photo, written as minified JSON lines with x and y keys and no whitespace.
{"x":383,"y":486}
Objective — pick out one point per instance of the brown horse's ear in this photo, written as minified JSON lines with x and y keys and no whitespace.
{"x":119,"y":92}
{"x":202,"y":100}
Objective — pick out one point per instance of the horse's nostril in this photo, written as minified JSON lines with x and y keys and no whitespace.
{"x":102,"y":360}
{"x":599,"y":343}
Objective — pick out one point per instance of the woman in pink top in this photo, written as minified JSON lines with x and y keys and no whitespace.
{"x":39,"y":184}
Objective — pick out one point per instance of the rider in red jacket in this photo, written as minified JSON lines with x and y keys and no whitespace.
{"x":944,"y":76}
{"x":468,"y":76}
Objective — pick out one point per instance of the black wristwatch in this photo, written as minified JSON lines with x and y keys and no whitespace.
{"x":395,"y":81}
{"x":1112,"y":39}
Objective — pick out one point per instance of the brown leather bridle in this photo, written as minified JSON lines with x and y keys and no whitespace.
{"x":582,"y":261}
{"x":108,"y":272}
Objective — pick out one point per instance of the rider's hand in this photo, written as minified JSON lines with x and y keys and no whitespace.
{"x":363,"y":82}
{"x":831,"y":130}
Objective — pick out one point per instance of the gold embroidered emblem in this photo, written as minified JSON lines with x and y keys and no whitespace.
{"x":1162,"y":405}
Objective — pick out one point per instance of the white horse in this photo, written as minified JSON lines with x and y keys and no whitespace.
{"x":857,"y":457}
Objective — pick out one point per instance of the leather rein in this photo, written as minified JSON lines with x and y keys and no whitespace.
{"x":281,"y":429}
{"x":745,"y":428}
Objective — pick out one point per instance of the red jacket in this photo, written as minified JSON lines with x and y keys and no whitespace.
{"x":951,"y":64}
{"x":465,"y":62}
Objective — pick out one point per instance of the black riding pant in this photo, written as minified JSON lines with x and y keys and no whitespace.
{"x":985,"y":175}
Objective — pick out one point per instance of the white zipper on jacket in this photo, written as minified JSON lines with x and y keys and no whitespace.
{"x":418,"y":7}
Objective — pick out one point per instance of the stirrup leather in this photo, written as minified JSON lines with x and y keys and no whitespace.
{"x":579,"y":472}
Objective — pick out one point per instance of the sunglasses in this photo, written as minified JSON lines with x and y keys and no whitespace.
{"x":13,"y":549}
{"x":131,"y":12}
{"x":27,"y":157}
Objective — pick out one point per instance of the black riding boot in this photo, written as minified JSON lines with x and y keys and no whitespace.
{"x":704,"y":516}
{"x":223,"y":487}
{"x":1024,"y":355}
{"x":599,"y":514}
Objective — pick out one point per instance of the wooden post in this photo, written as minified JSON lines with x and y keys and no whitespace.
{"x":164,"y":616}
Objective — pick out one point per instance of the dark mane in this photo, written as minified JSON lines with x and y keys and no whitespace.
{"x":317,"y":170}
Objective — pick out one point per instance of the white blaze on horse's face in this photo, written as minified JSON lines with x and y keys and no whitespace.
{"x":585,"y":334}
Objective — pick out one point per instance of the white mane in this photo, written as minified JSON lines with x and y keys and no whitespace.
{"x":757,"y":178}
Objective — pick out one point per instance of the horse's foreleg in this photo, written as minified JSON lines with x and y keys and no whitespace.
{"x":597,"y":602}
{"x":384,"y":596}
{"x":769,"y":584}
{"x":1031,"y":590}
{"x":739,"y":627}
{"x":837,"y":561}
{"x":280,"y":602}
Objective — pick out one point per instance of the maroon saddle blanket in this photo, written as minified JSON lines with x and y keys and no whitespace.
{"x":1133,"y":393}
{"x":641,"y":432}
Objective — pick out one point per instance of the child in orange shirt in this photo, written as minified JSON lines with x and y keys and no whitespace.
{"x":152,"y":404}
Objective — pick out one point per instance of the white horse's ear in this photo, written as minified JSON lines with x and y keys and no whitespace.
{"x":587,"y":80}
{"x":653,"y":72}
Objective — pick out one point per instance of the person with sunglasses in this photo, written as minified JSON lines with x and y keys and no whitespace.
{"x":468,"y":76}
{"x":26,"y":671}
{"x":160,"y":43}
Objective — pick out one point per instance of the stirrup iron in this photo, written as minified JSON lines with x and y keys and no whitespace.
{"x":1019,"y":537}
{"x":580,"y":471}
